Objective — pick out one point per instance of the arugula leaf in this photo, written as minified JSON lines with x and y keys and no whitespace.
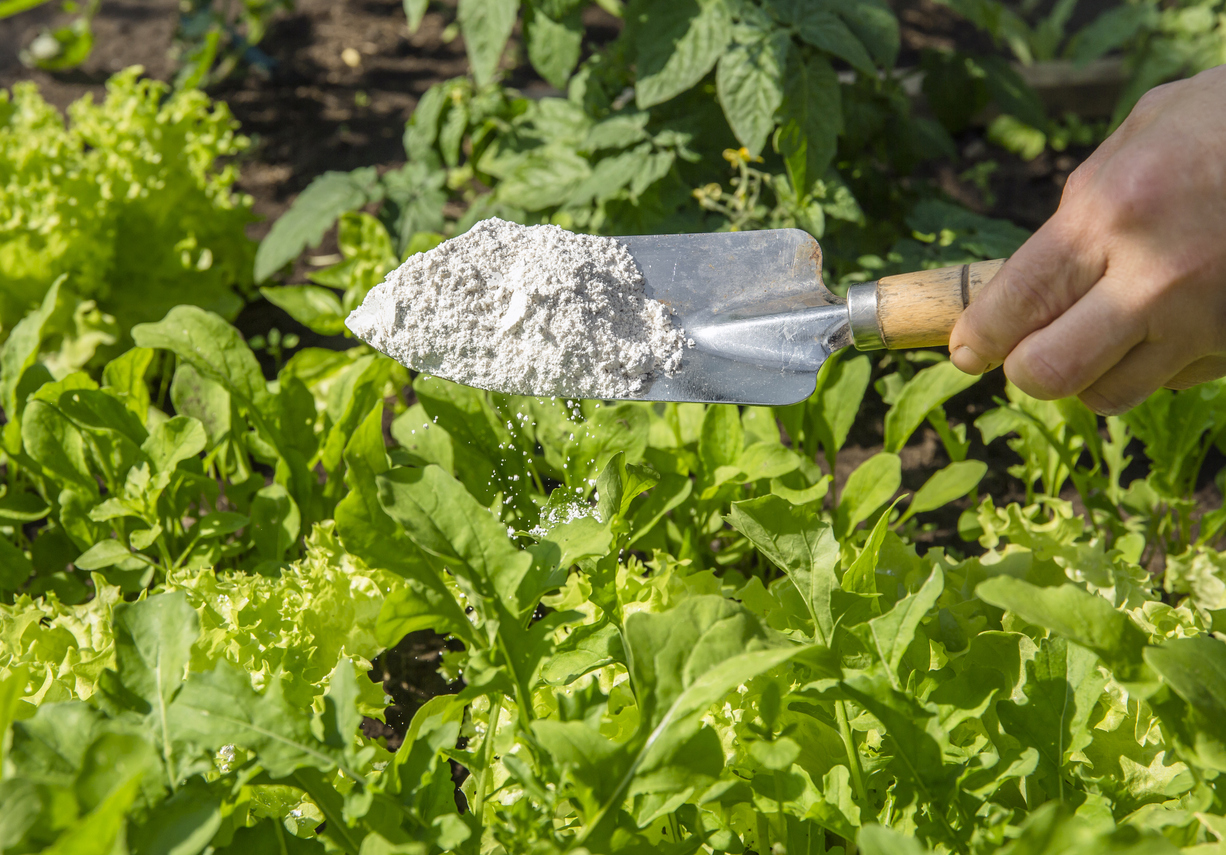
{"x":894,"y":631}
{"x":1062,"y":685}
{"x":804,"y":548}
{"x":924,"y":392}
{"x":1075,"y":614}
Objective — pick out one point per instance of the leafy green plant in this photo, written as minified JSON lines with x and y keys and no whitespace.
{"x":807,"y":683}
{"x":124,"y":489}
{"x":132,"y":203}
{"x":214,"y":38}
{"x":642,"y":124}
{"x":64,"y":47}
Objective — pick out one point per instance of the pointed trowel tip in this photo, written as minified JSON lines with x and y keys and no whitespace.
{"x":362,"y":320}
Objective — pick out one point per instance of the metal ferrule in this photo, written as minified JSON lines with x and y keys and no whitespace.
{"x":862,"y":317}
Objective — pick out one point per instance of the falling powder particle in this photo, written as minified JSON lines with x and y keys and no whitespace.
{"x":529,"y":310}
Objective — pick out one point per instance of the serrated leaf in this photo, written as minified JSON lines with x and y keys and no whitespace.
{"x":810,"y":121}
{"x":313,"y":212}
{"x":819,"y":24}
{"x":875,"y":25}
{"x":1062,"y":686}
{"x":799,"y":543}
{"x":554,"y":45}
{"x":486,"y":25}
{"x":749,"y":84}
{"x":677,"y":44}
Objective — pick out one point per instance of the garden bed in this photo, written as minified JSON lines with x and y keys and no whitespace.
{"x":951,"y":616}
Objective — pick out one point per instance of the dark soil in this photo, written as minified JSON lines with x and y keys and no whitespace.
{"x":314,"y":112}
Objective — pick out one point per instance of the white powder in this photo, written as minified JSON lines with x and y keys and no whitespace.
{"x":530,"y":310}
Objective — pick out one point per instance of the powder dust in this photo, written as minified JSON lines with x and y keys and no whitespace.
{"x":528,"y":310}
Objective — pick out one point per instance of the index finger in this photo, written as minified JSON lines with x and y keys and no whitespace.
{"x":1047,"y":275}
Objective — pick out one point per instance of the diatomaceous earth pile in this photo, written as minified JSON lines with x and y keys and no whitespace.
{"x":530,"y":310}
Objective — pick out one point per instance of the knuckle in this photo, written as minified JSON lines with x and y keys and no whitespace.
{"x":1077,"y":180}
{"x":1154,"y":98}
{"x":1137,"y":187}
{"x":1038,"y":377}
{"x":1104,"y":404}
{"x":1032,"y":298}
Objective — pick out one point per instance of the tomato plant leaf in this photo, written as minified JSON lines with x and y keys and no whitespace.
{"x":313,"y":212}
{"x":749,"y":83}
{"x":487,"y":25}
{"x":677,"y":44}
{"x":810,"y":121}
{"x":553,"y":44}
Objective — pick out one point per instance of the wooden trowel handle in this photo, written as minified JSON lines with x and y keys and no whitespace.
{"x":915,"y":309}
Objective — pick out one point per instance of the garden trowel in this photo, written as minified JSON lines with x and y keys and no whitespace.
{"x":760,"y":322}
{"x":763,"y":322}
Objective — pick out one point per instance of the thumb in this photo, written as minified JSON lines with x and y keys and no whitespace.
{"x":1047,"y":275}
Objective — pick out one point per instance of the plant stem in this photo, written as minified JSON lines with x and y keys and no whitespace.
{"x":673,"y":827}
{"x":853,"y":756}
{"x":487,"y":758}
{"x":764,"y":836}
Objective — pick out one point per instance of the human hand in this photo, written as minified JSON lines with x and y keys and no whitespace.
{"x":1123,"y":290}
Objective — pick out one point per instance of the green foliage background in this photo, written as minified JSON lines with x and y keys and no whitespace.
{"x":675,"y":634}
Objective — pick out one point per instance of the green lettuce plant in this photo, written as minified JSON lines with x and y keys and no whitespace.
{"x":131,"y":202}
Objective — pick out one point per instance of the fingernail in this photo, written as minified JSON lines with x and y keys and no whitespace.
{"x":968,"y":361}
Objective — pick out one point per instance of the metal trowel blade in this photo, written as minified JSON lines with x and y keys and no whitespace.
{"x":761,"y":320}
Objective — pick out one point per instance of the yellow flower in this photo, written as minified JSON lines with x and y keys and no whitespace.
{"x":737,"y":156}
